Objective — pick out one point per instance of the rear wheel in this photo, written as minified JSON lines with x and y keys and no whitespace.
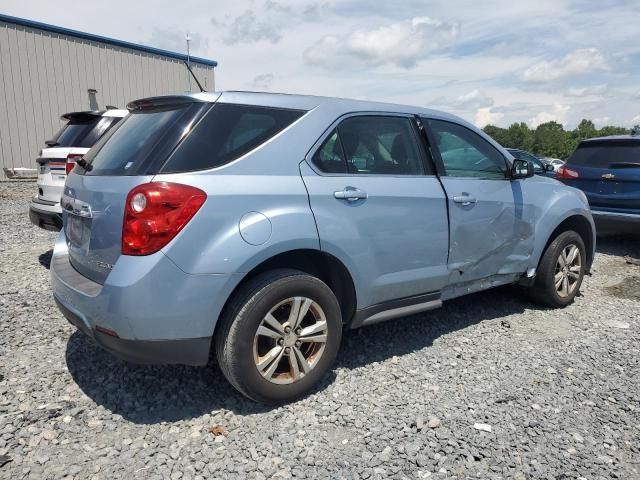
{"x":561,"y":271}
{"x":279,"y":335}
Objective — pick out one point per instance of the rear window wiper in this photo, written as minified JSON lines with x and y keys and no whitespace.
{"x":84,"y":164}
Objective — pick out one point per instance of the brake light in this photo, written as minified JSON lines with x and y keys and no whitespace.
{"x":566,"y":173}
{"x":71,"y":161}
{"x":154,"y":214}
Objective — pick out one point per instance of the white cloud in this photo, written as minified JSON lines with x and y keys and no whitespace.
{"x":485,"y":116}
{"x":579,"y":61}
{"x":263,"y":81}
{"x":475,"y":99}
{"x":403,"y":44}
{"x":601,"y":121}
{"x":247,"y":28}
{"x":595,"y":90}
{"x":635,"y":120}
{"x":558,"y":113}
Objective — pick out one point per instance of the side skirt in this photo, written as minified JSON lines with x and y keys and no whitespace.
{"x":396,"y":308}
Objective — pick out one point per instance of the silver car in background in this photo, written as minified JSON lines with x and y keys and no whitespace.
{"x":258,"y":226}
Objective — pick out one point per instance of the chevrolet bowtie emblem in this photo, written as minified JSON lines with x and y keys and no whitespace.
{"x":608,"y":176}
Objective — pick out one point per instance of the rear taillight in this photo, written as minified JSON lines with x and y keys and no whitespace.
{"x":71,"y":161}
{"x":566,"y":173}
{"x":155,"y":212}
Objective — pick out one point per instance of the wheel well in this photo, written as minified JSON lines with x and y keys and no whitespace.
{"x":322,"y":265}
{"x":582,"y":227}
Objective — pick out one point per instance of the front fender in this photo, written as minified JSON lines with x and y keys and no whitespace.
{"x":561,"y":203}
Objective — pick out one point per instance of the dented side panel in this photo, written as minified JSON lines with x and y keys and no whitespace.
{"x":492,"y":235}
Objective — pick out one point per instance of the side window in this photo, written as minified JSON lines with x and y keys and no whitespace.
{"x":380,"y":146}
{"x":329,"y":157}
{"x":465,"y":153}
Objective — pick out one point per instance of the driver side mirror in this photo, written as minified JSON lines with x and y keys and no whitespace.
{"x":521,"y":169}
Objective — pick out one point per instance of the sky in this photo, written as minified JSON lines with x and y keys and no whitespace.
{"x":493,"y":62}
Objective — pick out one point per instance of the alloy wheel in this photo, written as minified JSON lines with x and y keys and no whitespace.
{"x":290,"y":340}
{"x":568,"y":270}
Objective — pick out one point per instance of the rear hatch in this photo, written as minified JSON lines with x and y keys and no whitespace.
{"x":81,"y":132}
{"x":161,"y":135}
{"x":608,"y":171}
{"x":128,"y":155}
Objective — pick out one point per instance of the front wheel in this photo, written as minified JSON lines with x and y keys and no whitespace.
{"x":561,"y":271}
{"x":279,"y":335}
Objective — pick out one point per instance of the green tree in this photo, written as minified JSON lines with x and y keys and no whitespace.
{"x":550,"y":139}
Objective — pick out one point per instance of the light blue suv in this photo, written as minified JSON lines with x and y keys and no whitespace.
{"x":260,"y":225}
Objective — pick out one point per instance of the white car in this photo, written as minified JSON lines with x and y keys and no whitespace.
{"x":81,"y":132}
{"x":555,"y":162}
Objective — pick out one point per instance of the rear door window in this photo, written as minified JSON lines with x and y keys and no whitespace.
{"x":226,"y":133}
{"x":372,"y":145}
{"x":606,"y":154}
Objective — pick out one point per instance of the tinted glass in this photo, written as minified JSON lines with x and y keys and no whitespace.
{"x":465,"y":153}
{"x":72,"y":134}
{"x":380,"y":146}
{"x":144,"y":137}
{"x":101,"y":127}
{"x":82,"y":132}
{"x":226,"y":133}
{"x":606,"y":154}
{"x":330,"y":158}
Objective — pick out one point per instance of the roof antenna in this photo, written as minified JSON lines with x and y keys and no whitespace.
{"x":187,"y":64}
{"x":194,"y":77}
{"x":188,"y":39}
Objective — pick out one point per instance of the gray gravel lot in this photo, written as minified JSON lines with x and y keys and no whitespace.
{"x":490,"y":386}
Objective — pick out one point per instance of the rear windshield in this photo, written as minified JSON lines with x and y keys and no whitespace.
{"x":145,"y":142}
{"x":226,"y":133}
{"x":82,"y":132}
{"x":606,"y":154}
{"x":143,"y":139}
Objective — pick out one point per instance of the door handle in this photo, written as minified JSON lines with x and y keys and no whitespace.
{"x":465,"y":199}
{"x":350,"y":194}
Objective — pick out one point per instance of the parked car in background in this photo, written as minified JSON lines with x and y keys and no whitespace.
{"x":607,"y":169}
{"x":81,"y":132}
{"x":555,"y":162}
{"x":260,"y":225}
{"x":539,"y":167}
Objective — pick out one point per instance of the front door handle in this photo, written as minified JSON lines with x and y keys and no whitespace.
{"x":350,"y":194}
{"x":465,"y":199}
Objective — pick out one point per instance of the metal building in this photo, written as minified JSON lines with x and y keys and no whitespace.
{"x":46,"y":71}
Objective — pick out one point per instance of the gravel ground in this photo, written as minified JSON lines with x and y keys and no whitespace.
{"x":490,"y":386}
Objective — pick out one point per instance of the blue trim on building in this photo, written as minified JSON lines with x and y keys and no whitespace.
{"x":98,"y":38}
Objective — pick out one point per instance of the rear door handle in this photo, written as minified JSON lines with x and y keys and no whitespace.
{"x":350,"y":194}
{"x":465,"y":199}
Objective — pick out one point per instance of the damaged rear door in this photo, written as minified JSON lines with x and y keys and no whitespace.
{"x":490,"y":226}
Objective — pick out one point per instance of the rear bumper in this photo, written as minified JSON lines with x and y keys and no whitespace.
{"x":47,"y":215}
{"x":190,"y":351}
{"x":160,"y":314}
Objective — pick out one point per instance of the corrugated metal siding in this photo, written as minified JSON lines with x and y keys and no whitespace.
{"x":45,"y":74}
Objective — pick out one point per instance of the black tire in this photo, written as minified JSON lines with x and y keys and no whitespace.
{"x":544,"y":289}
{"x":234,"y":339}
